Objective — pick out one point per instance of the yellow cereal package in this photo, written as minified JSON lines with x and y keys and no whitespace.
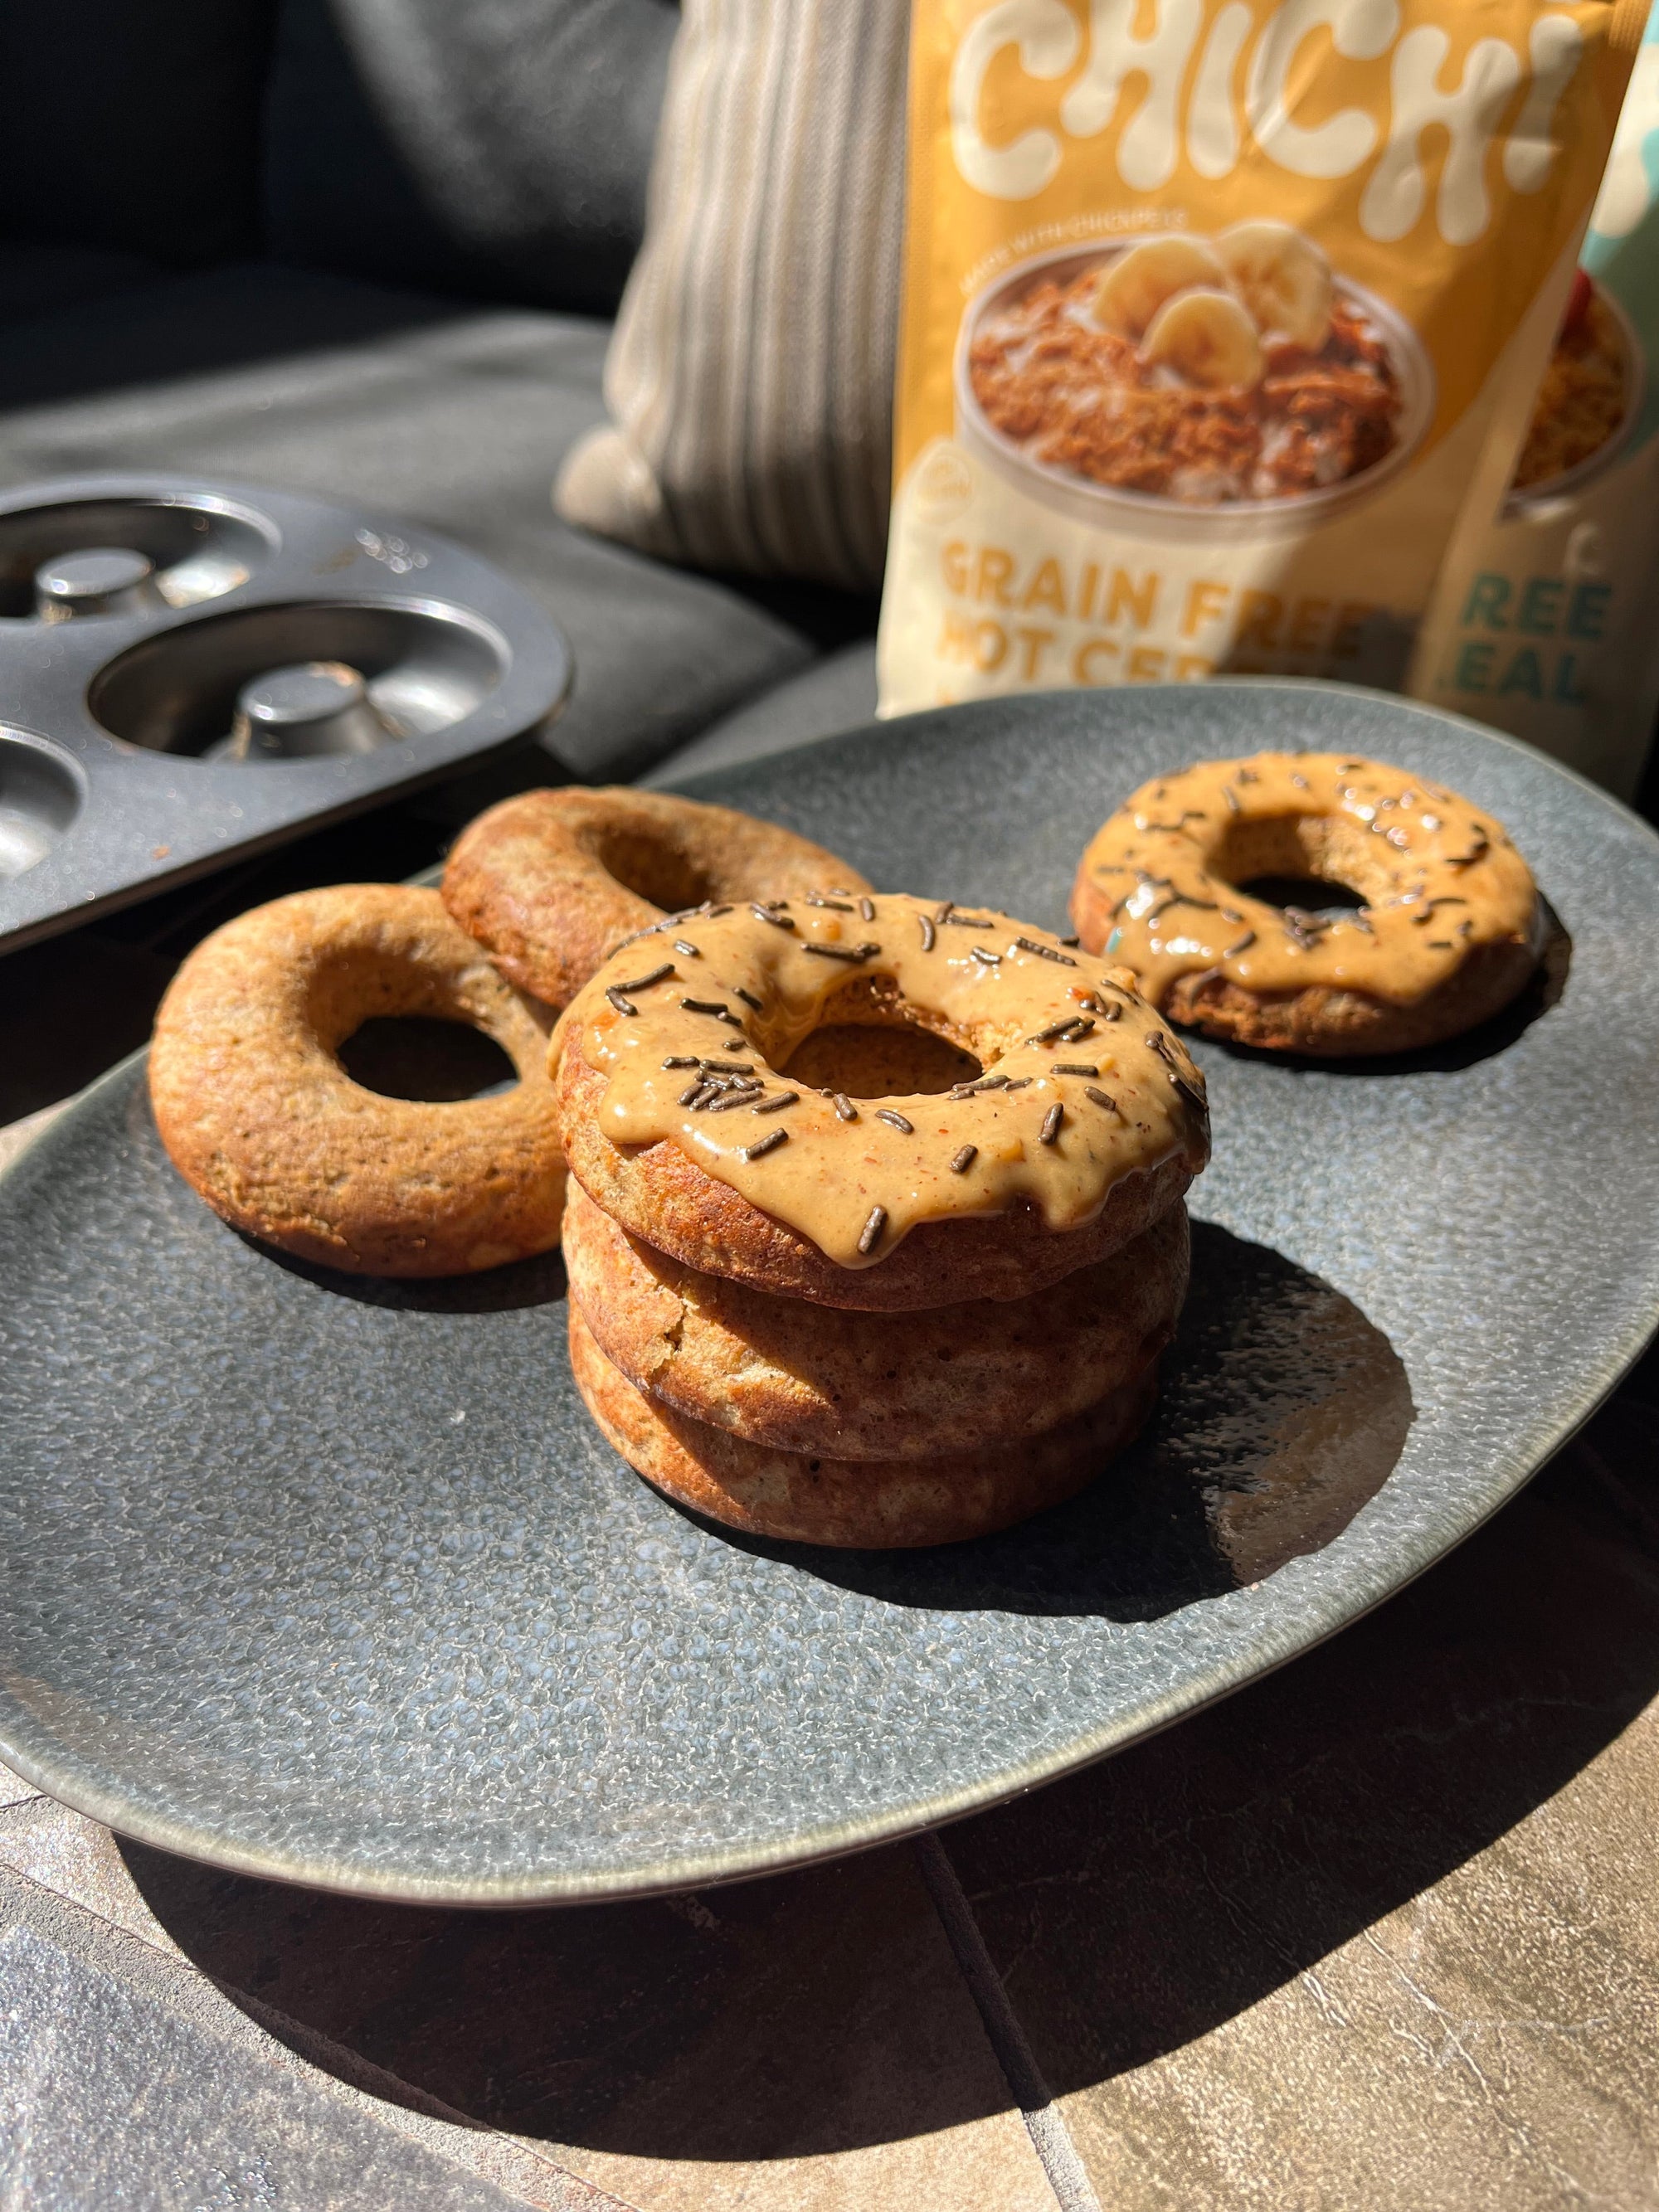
{"x":1541,"y":620}
{"x":1213,"y":308}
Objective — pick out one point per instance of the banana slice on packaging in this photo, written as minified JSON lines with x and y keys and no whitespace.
{"x":1207,"y":338}
{"x":1135,"y":286}
{"x":1282,"y":277}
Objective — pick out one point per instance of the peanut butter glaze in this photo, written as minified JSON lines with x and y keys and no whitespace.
{"x":1082,"y":1084}
{"x":1156,"y":887}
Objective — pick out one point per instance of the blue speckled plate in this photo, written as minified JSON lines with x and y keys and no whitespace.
{"x":333,"y":1580}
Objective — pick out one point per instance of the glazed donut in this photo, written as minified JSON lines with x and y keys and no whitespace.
{"x":552,"y":882}
{"x":680,"y":1121}
{"x":259,"y":1117}
{"x":804,"y":1378}
{"x":884,"y":1504}
{"x":1451,"y":928}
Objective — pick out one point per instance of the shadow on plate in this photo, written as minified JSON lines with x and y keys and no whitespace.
{"x":1548,"y":981}
{"x":1281,"y":1411}
{"x":1131,"y":1909}
{"x":537,"y":1282}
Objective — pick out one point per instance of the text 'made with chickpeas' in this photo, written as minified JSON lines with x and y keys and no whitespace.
{"x":1210,"y":308}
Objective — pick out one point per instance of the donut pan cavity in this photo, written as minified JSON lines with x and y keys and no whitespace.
{"x":195,"y":670}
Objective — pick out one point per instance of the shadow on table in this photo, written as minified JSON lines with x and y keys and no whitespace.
{"x":1132,"y":1908}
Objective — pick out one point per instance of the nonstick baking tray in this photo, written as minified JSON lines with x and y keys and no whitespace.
{"x":333,"y":1579}
{"x":120,"y":720}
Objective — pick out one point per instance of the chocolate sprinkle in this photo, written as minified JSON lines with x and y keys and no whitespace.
{"x":691,"y":951}
{"x":694,"y":1095}
{"x":1242,"y":945}
{"x":644,"y":983}
{"x":1072,"y":1067}
{"x":748,"y":997}
{"x":682,"y":1060}
{"x":1045,"y":951}
{"x":623,"y":1005}
{"x":985,"y":959}
{"x":1072,"y":941}
{"x":728,"y":1066}
{"x":1051,"y":1121}
{"x":896,"y":1121}
{"x":707,"y":1006}
{"x":1093,"y":1090}
{"x":870,"y":1234}
{"x":841,"y":951}
{"x":844,"y":1107}
{"x":1231,"y":798}
{"x":841,"y":906}
{"x":964,"y":1159}
{"x":769,"y":1143}
{"x":777,"y":921}
{"x":965,"y":920}
{"x":776,"y":1105}
{"x":929,"y":935}
{"x":866,"y":909}
{"x":1022,"y":1083}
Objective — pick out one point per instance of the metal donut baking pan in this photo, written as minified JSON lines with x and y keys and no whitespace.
{"x":192,"y":670}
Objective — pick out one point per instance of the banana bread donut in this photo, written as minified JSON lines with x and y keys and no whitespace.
{"x":1451,"y":926}
{"x":885,"y":1504}
{"x":1087,"y":1124}
{"x":807,"y":1378}
{"x":259,"y":1117}
{"x":552,"y":882}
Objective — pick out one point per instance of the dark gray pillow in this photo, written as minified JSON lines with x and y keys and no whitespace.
{"x":133,"y":126}
{"x":498,"y":148}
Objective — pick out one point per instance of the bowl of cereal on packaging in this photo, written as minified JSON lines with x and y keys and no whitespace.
{"x":1590,"y":401}
{"x":1232,"y":386}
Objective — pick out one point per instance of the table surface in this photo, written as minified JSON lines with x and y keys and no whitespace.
{"x":1382,"y":1930}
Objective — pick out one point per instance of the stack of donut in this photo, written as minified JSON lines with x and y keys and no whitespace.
{"x":815,"y":1293}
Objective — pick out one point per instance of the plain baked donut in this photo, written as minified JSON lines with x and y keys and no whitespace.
{"x":809,"y":1378}
{"x":552,"y":882}
{"x":259,"y":1117}
{"x":880,"y":1504}
{"x":1087,"y":1124}
{"x":1451,"y":926}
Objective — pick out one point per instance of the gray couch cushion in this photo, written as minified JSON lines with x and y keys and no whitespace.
{"x":43,"y":280}
{"x":837,"y":693}
{"x":497,"y":147}
{"x":133,"y":125}
{"x":452,"y":417}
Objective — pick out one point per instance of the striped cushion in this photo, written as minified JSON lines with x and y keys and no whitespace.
{"x":749,"y":378}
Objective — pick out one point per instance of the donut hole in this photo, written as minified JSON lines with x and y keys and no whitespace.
{"x":1317,"y":863}
{"x":425,"y":1057}
{"x":871,"y":1044}
{"x":1307,"y":894}
{"x":866,"y":1060}
{"x":653,"y":870}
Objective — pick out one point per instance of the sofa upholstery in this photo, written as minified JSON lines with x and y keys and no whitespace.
{"x":497,"y":148}
{"x":133,"y":127}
